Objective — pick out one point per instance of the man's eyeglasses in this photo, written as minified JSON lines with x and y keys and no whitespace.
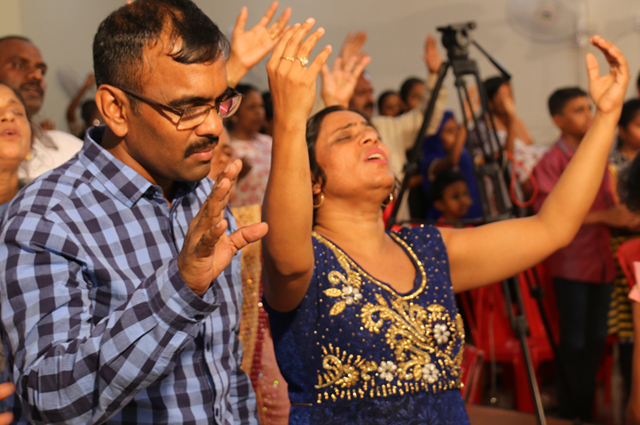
{"x":189,"y":118}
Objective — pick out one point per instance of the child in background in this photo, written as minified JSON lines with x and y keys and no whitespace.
{"x":450,"y":195}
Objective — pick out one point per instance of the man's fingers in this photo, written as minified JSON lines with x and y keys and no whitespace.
{"x":209,"y":239}
{"x":264,"y":21}
{"x":240,"y":22}
{"x":231,"y":172}
{"x":359,"y":39}
{"x":249,"y":234}
{"x":359,"y":69}
{"x":337,"y":64}
{"x":281,"y":23}
{"x":324,"y":72}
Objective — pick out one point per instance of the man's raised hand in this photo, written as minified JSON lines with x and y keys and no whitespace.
{"x":249,"y":47}
{"x":208,"y":249}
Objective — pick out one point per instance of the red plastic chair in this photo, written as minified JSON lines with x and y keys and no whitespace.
{"x":492,"y":333}
{"x":628,"y":252}
{"x":471,"y":367}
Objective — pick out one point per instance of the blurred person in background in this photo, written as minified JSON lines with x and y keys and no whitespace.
{"x":251,"y":146}
{"x":23,"y":68}
{"x":389,"y":104}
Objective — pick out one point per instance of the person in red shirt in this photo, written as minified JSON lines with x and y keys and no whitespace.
{"x":583,"y":271}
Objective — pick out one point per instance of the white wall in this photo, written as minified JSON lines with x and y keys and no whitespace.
{"x":10,"y":18}
{"x":64,"y":29}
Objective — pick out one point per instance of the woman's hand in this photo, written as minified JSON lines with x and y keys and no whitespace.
{"x":338,"y":85}
{"x":292,"y":83}
{"x":608,"y":91}
{"x":249,"y":47}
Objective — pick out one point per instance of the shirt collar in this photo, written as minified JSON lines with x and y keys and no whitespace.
{"x":122,"y":181}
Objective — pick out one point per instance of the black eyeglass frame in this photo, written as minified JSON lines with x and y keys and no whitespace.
{"x":181,"y":112}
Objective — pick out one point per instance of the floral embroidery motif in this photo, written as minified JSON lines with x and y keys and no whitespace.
{"x":430,"y":373}
{"x":351,"y":294}
{"x":387,"y":371}
{"x":440,"y":333}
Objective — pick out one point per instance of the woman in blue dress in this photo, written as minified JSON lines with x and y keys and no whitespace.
{"x":364,"y":322}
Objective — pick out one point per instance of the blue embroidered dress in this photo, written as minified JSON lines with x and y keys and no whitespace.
{"x":356,"y":351}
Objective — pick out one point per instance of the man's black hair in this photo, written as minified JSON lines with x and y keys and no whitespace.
{"x":406,"y":87}
{"x":492,"y":85}
{"x":442,"y":180}
{"x":122,"y":37}
{"x":15,"y":37}
{"x":629,"y":111}
{"x":246,"y":88}
{"x":382,"y":97}
{"x":559,"y":98}
{"x":268,"y":105}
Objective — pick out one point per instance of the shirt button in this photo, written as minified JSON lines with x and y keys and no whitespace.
{"x":198,"y":317}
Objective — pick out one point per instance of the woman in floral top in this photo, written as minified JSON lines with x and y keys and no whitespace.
{"x":252,"y":147}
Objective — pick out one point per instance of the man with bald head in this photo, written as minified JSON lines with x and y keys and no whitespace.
{"x":23,"y":68}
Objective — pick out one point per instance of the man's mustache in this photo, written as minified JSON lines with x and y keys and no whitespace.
{"x":201,"y":146}
{"x":32,"y":86}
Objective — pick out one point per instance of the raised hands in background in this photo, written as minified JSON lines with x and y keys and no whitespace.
{"x":432,"y":56}
{"x":250,"y":47}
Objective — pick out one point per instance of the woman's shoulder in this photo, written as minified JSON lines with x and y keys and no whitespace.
{"x":424,"y":240}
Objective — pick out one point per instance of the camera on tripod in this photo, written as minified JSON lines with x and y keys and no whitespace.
{"x":455,"y":38}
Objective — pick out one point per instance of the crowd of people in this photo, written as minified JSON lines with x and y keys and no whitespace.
{"x":209,"y":253}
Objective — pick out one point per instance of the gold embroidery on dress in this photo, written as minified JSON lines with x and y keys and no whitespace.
{"x":355,"y":273}
{"x":421,"y":339}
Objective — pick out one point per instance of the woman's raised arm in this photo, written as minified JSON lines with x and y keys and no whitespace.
{"x":490,"y":253}
{"x":288,"y":204}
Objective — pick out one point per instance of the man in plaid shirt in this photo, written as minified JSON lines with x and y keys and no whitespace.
{"x":122,"y":291}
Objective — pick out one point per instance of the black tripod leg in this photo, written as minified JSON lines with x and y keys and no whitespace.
{"x":537,"y":293}
{"x":412,"y":166}
{"x":519,"y":325}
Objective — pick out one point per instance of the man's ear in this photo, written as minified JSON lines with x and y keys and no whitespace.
{"x":558,"y":120}
{"x":439,"y":205}
{"x":115,"y":108}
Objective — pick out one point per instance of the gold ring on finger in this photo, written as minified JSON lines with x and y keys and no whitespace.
{"x":303,"y":61}
{"x":273,"y":35}
{"x":288,"y":58}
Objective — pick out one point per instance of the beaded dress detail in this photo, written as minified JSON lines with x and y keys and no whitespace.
{"x":357,"y":350}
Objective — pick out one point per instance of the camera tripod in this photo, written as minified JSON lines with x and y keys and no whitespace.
{"x":491,"y":174}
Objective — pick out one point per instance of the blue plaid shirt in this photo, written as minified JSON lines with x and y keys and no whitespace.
{"x":98,"y":324}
